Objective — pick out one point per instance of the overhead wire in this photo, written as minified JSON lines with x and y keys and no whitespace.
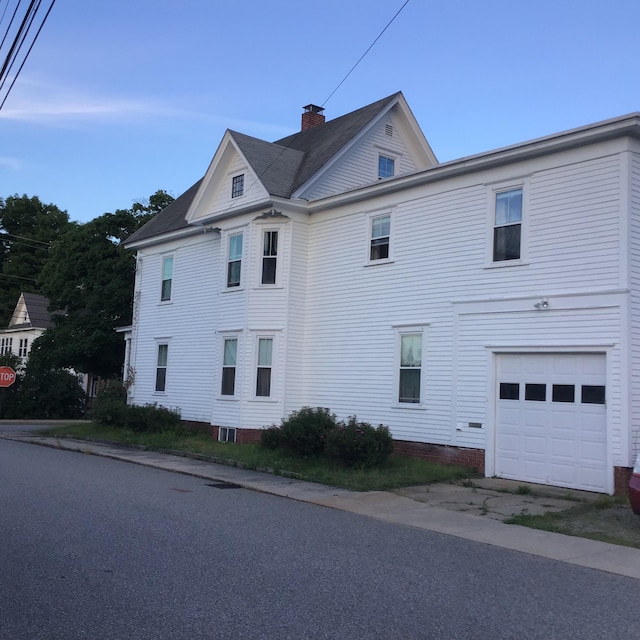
{"x":362,"y":57}
{"x":259,"y":176}
{"x":19,"y":40}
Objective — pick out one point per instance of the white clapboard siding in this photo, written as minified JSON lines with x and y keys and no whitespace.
{"x":439,"y":249}
{"x":360,"y":166}
{"x":634,"y":274}
{"x":217,"y":196}
{"x":190,"y":335}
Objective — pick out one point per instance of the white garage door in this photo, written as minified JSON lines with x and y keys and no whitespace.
{"x":551,"y":419}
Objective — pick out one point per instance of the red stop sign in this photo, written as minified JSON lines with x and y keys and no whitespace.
{"x":7,"y":376}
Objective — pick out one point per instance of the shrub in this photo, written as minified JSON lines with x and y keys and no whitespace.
{"x":358,"y":444}
{"x":271,"y":438}
{"x":51,"y":394}
{"x":110,"y":409}
{"x":110,"y":405}
{"x":152,"y":418}
{"x":306,"y":430}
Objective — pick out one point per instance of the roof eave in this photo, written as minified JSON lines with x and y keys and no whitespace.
{"x":599,"y":132}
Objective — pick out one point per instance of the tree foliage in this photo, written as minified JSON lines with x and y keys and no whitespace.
{"x":27,"y":227}
{"x":89,"y":276}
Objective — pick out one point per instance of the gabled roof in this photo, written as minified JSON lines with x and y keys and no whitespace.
{"x":277,"y":165}
{"x":320,"y":144}
{"x":37,"y":316}
{"x":171,"y":218}
{"x":282,"y":166}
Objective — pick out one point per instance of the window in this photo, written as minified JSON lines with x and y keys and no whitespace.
{"x":386,"y":167}
{"x":6,"y":346}
{"x":237,"y":186}
{"x":234,"y":264}
{"x":263,"y":378}
{"x":229,"y":361}
{"x":410,"y":367}
{"x":226,"y":434}
{"x":380,"y":234}
{"x":161,"y":369}
{"x":509,"y":391}
{"x":269,"y":257}
{"x":23,"y":347}
{"x":507,"y":225}
{"x":167,"y":277}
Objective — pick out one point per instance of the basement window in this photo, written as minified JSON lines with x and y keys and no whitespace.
{"x":227,"y":434}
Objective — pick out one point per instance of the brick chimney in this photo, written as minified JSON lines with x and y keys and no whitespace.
{"x":312,"y":116}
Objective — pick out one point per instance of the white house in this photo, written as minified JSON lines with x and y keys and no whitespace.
{"x":30,"y":319}
{"x":486,"y":309}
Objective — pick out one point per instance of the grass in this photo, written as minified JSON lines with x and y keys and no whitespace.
{"x":607,"y":519}
{"x":397,"y":472}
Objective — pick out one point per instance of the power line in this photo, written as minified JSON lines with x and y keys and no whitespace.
{"x":6,"y":275}
{"x":18,"y":41}
{"x":13,"y":235}
{"x":366,"y":52}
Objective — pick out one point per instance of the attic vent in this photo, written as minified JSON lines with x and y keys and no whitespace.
{"x":388,"y":129}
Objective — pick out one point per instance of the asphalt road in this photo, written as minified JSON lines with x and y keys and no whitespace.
{"x":100,"y":549}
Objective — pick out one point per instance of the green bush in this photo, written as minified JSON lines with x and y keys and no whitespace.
{"x":306,"y":430}
{"x":152,"y":418}
{"x":358,"y":444}
{"x":271,"y":438}
{"x":110,"y":409}
{"x":110,"y":405}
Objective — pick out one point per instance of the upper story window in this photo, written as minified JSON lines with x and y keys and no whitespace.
{"x":410,"y":368}
{"x":507,"y":229}
{"x":23,"y":348}
{"x":234,"y":260}
{"x":380,"y":237}
{"x":167,"y":278}
{"x":269,"y":257}
{"x":237,"y":186}
{"x":386,"y":167}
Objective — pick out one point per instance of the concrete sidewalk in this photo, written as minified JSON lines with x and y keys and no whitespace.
{"x":423,"y":509}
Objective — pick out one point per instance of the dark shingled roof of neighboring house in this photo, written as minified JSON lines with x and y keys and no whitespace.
{"x":282,"y":166}
{"x":39,"y":316}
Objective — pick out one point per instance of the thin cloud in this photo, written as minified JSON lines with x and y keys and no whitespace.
{"x":11,"y":163}
{"x":43,"y":104}
{"x":39,"y":103}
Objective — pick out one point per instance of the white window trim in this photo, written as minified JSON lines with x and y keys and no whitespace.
{"x":244,"y":184}
{"x":243,"y":260}
{"x":492,"y":191}
{"x":391,"y":156}
{"x":370,"y":216}
{"x":277,"y":284}
{"x":164,"y":257}
{"x":402,"y":330}
{"x":232,"y":334}
{"x":158,"y":342}
{"x":262,"y":335}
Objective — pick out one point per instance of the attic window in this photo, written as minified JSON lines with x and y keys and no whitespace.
{"x":237,"y":186}
{"x":386,"y":167}
{"x":388,"y":129}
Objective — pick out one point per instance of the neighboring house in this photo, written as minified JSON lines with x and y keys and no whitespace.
{"x":29,"y":321}
{"x":486,"y":309}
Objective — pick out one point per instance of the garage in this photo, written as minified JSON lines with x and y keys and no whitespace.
{"x":551,"y":423}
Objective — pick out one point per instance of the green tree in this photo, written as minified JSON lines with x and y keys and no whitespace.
{"x":89,"y":275}
{"x":27,"y":228}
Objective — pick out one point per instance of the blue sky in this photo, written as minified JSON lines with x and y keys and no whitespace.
{"x":121,"y":98}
